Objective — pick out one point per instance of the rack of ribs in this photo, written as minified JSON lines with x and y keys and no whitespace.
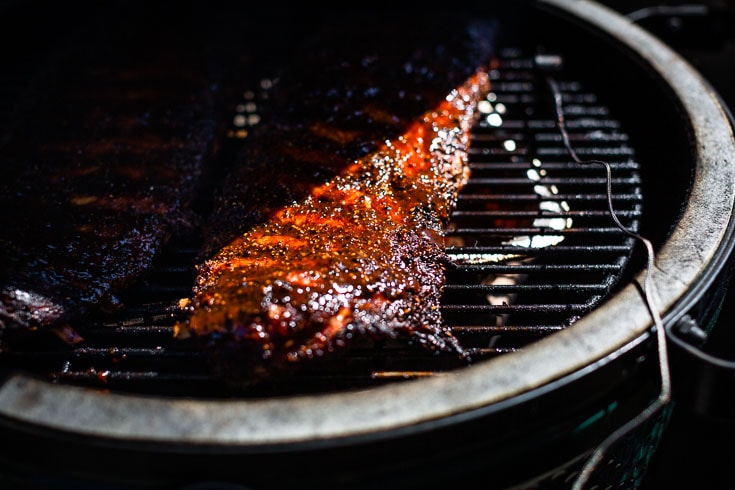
{"x":334,"y":218}
{"x":107,"y":154}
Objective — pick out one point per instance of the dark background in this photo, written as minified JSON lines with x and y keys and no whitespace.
{"x":697,"y":449}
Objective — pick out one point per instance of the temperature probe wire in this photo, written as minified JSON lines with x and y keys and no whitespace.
{"x":649,"y":296}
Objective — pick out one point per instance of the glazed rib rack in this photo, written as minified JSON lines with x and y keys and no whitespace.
{"x":532,"y":243}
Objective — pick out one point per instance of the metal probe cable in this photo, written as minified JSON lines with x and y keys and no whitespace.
{"x":648,"y":292}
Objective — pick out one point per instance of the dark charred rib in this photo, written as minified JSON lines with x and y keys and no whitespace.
{"x":371,"y":154}
{"x":102,"y":169}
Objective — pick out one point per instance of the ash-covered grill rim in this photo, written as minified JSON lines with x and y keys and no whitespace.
{"x":695,"y":251}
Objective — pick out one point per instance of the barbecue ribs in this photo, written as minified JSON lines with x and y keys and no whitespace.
{"x":108,"y":148}
{"x":335,"y":217}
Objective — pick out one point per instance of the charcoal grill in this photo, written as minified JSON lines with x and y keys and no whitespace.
{"x":545,"y":291}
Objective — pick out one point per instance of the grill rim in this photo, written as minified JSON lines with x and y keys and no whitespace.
{"x":423,"y":401}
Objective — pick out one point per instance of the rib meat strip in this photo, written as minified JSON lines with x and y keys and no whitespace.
{"x":360,"y":254}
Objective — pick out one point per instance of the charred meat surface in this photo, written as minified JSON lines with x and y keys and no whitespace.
{"x":104,"y":158}
{"x":338,"y":207}
{"x":358,"y":80}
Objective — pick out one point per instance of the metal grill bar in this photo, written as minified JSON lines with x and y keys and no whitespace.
{"x":514,"y":231}
{"x":533,"y":308}
{"x":516,"y":268}
{"x":532,"y":214}
{"x":558,"y":197}
{"x":538,"y":288}
{"x":554,"y":181}
{"x":481,"y":166}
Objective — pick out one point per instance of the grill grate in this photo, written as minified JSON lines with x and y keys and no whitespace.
{"x":532,"y":243}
